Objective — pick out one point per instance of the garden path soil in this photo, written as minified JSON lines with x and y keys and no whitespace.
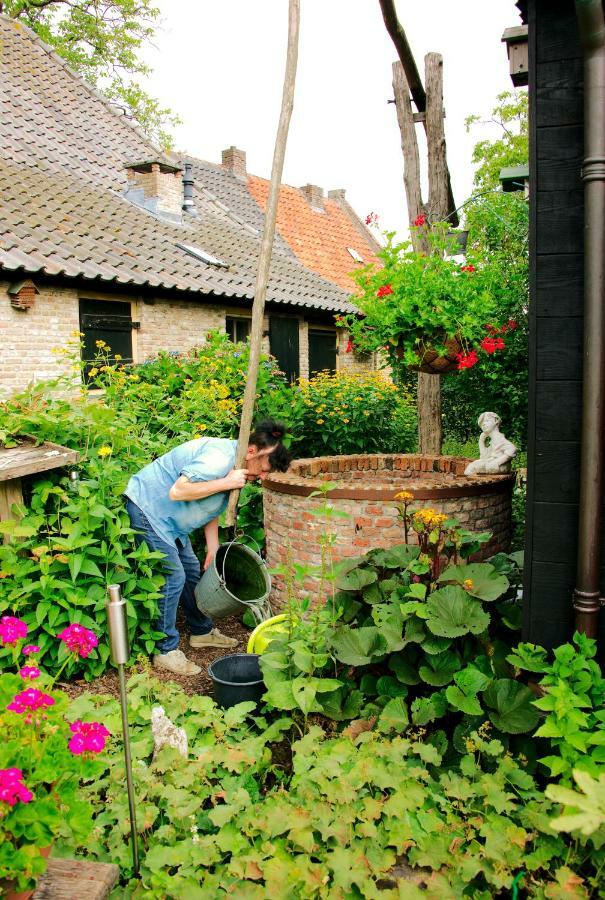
{"x":192,"y":684}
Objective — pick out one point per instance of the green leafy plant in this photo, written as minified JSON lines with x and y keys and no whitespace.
{"x":573,"y":692}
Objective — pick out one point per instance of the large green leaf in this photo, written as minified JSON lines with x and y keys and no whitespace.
{"x":440,"y":669}
{"x":397,"y":557}
{"x":464,"y":702}
{"x":510,"y":706}
{"x":358,"y":646}
{"x":452,"y":613}
{"x":478,"y":579}
{"x":471,"y":680}
{"x":394,"y":715}
{"x":356,"y":579}
{"x":405,"y":669}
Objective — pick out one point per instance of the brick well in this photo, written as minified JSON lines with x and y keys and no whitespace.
{"x":364,"y":488}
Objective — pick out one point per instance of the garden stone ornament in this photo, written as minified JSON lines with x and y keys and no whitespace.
{"x":166,"y":732}
{"x":495,"y":451}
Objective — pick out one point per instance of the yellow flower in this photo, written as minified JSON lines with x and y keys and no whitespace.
{"x":320,"y":421}
{"x":117,"y":357}
{"x":202,"y":427}
{"x":94,"y":371}
{"x":405,"y":496}
{"x":76,"y":333}
{"x":101,"y":344}
{"x":468,"y":584}
{"x":105,"y":451}
{"x":346,"y":421}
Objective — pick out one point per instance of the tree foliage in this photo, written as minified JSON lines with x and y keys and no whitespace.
{"x":101,"y":40}
{"x":498,"y":231}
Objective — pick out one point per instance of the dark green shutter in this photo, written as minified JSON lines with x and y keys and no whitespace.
{"x":283,"y":341}
{"x":322,"y":351}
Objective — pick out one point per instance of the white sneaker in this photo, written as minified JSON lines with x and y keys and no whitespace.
{"x":176,"y":662}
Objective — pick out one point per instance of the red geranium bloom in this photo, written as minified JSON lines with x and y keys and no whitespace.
{"x":468,"y":268}
{"x":491,"y":344}
{"x":371,"y":219}
{"x":512,"y":324}
{"x":384,"y":291}
{"x":467,"y":360}
{"x":419,"y":221}
{"x":349,"y":346}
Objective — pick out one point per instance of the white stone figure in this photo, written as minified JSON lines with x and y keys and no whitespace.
{"x":166,"y":732}
{"x":495,"y":451}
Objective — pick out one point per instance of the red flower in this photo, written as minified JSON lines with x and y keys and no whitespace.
{"x":349,"y":346}
{"x":384,"y":291}
{"x":491,"y":344}
{"x":512,"y":324}
{"x":468,"y":268}
{"x":372,"y":219}
{"x":467,"y":360}
{"x":419,"y":221}
{"x":491,"y":328}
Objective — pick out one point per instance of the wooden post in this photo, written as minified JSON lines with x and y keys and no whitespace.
{"x":264,"y":262}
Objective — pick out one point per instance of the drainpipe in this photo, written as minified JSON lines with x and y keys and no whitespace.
{"x":587,"y":595}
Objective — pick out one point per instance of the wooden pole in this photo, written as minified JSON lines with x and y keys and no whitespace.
{"x":264,"y":262}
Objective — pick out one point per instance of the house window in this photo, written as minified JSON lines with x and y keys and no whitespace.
{"x":109,"y":321}
{"x":237,"y":329}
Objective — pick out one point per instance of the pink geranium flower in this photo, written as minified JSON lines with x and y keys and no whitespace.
{"x":29,"y":649}
{"x":29,"y":673}
{"x":88,"y":737}
{"x":29,"y":701}
{"x":12,"y":789}
{"x":12,"y":630}
{"x":80,"y":640}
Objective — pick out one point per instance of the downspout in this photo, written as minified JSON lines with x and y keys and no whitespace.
{"x":587,"y":595}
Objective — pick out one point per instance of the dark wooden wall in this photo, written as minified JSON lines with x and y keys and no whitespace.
{"x":556,"y":302}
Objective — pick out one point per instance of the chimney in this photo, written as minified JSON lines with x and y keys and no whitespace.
{"x":234,"y":160}
{"x":156,"y":184}
{"x":337,"y":194}
{"x":314,"y":195}
{"x":188,"y":205}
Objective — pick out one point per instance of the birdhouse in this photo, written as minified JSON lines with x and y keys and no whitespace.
{"x":516,"y":47}
{"x":23,"y":294}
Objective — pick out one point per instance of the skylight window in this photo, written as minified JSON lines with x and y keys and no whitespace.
{"x":203,"y":256}
{"x":355,"y":254}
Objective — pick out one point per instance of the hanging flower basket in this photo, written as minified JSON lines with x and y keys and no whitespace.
{"x":433,"y":361}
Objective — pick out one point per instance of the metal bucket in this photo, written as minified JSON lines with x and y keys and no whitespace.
{"x":236,"y":580}
{"x":236,"y":679}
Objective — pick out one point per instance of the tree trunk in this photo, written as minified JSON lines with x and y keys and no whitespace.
{"x":430,"y":429}
{"x":264,"y":262}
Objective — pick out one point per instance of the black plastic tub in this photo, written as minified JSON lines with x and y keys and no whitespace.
{"x":237,"y":678}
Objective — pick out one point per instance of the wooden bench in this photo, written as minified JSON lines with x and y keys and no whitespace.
{"x":76,"y":879}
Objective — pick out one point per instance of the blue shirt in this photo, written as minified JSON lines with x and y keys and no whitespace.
{"x":204,"y":459}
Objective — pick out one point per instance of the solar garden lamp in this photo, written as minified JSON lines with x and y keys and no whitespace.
{"x":118,"y":642}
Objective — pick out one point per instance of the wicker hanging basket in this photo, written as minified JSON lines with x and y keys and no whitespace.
{"x":429,"y":360}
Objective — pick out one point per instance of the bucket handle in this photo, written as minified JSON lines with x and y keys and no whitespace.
{"x":229,"y":545}
{"x":259,"y":611}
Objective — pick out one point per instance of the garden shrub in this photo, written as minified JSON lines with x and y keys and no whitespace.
{"x":333,"y":414}
{"x":259,"y":811}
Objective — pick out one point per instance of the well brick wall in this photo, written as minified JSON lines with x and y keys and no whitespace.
{"x":294,"y":528}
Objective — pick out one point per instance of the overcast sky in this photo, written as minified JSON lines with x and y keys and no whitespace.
{"x":219,"y":64}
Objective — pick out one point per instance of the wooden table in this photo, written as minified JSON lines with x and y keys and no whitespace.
{"x":76,"y":879}
{"x":27,"y":459}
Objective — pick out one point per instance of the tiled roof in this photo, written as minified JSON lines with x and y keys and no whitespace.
{"x":320,"y":239}
{"x":63,"y":150}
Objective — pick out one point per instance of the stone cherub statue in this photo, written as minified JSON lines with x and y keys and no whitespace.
{"x":495,"y":451}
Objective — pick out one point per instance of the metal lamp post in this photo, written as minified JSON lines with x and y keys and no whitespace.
{"x":118,"y":641}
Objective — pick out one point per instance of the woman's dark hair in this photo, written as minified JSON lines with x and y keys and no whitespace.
{"x":269,"y":433}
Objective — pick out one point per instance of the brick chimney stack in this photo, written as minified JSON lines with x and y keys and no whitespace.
{"x":156,"y":185}
{"x":235,"y":160}
{"x":314,"y":195}
{"x":337,"y":194}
